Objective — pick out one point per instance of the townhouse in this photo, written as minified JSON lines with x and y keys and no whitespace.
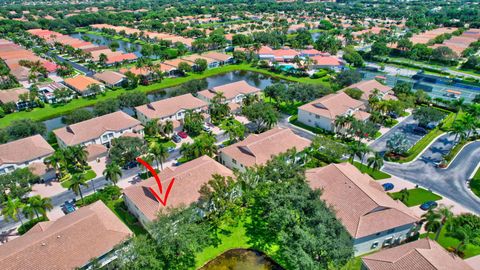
{"x":24,"y":153}
{"x":211,"y":63}
{"x":221,"y":58}
{"x":373,"y":219}
{"x":14,"y":96}
{"x":423,"y":254}
{"x":173,"y":108}
{"x":98,"y":130}
{"x":189,"y":178}
{"x":368,"y":88}
{"x":70,"y":242}
{"x":321,"y":113}
{"x":280,"y":55}
{"x":233,"y":92}
{"x":82,"y":84}
{"x":257,"y":149}
{"x":110,"y":78}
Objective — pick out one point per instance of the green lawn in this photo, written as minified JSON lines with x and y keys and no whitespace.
{"x":55,"y":110}
{"x":475,"y":183}
{"x":416,"y":196}
{"x":451,"y":243}
{"x":377,"y":175}
{"x":89,"y":175}
{"x":119,"y":208}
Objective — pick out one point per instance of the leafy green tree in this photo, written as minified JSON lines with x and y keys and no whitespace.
{"x":204,"y":144}
{"x":193,"y":122}
{"x":353,"y":57}
{"x":112,"y":172}
{"x":234,"y":129}
{"x":160,"y":153}
{"x":16,"y":184}
{"x":398,"y":143}
{"x":39,"y":205}
{"x":126,"y":149}
{"x":348,"y":77}
{"x":184,"y":67}
{"x":106,"y":107}
{"x":132,"y":99}
{"x":152,"y":128}
{"x":380,"y":48}
{"x":425,"y":115}
{"x":23,"y":128}
{"x":167,"y":128}
{"x":354,"y":93}
{"x":466,"y":229}
{"x":328,"y":43}
{"x":218,"y":108}
{"x":375,"y":162}
{"x":77,"y":116}
{"x":263,"y":115}
{"x":200,"y":65}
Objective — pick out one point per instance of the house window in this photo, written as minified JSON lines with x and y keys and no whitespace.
{"x":316,"y":116}
{"x":234,"y":161}
{"x":374,"y":245}
{"x":387,"y":242}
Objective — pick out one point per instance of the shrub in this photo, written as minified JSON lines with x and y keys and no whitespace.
{"x":29,"y":224}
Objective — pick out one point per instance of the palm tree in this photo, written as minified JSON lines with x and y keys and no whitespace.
{"x":11,"y":209}
{"x":80,"y":153}
{"x":56,"y":161}
{"x":152,"y":128}
{"x":40,"y":205}
{"x":375,"y":162}
{"x":112,"y":172}
{"x":458,"y":104}
{"x":459,"y":130}
{"x":160,"y":153}
{"x":167,"y":128}
{"x":363,"y":150}
{"x":432,"y":221}
{"x":445,"y":213}
{"x":76,"y":183}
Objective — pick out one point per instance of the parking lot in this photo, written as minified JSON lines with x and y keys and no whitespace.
{"x":406,"y":127}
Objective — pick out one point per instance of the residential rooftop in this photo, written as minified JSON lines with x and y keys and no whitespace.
{"x":23,"y":150}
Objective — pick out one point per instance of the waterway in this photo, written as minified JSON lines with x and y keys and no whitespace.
{"x":124,"y":46}
{"x":255,"y":79}
{"x":242,"y":259}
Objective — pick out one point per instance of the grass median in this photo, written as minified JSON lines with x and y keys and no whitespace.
{"x":51,"y":110}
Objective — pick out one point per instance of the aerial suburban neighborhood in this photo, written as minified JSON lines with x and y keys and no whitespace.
{"x":240,"y":134}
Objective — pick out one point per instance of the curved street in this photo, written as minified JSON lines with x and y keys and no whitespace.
{"x":450,"y":182}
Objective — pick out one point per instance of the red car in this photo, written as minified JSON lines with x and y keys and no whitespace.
{"x":182,"y":134}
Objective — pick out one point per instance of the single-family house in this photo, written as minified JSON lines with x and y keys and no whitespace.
{"x":14,"y":96}
{"x":46,"y":92}
{"x":189,"y":178}
{"x":279,"y":55}
{"x":257,"y":149}
{"x":98,"y":130}
{"x":173,"y":108}
{"x":143,"y":72}
{"x":369,"y":87}
{"x":82,"y":84}
{"x":373,"y":219}
{"x":233,"y":92}
{"x":222,"y":58}
{"x":70,"y":242}
{"x":321,"y":113}
{"x":23,"y":152}
{"x":211,"y":63}
{"x":110,"y":78}
{"x":326,"y":61}
{"x":423,"y":254}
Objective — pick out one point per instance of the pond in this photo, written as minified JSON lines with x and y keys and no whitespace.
{"x":124,"y":46}
{"x":255,"y":79}
{"x":242,"y":259}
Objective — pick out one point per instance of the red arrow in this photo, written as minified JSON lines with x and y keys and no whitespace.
{"x":164,"y":202}
{"x":159,"y":183}
{"x":153,"y":172}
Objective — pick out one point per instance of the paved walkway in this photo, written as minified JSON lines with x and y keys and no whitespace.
{"x":450,"y":182}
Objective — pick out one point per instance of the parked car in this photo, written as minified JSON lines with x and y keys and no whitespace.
{"x":176,"y":138}
{"x":388,"y":186}
{"x":130,"y":165}
{"x":68,"y":207}
{"x":182,"y":134}
{"x":178,"y":163}
{"x":210,"y":124}
{"x":393,"y":115}
{"x":428,"y":205}
{"x":206,"y":128}
{"x":170,"y":149}
{"x":419,"y":131}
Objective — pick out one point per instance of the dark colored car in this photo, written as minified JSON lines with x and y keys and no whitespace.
{"x":182,"y":134}
{"x":428,"y":205}
{"x":130,"y":165}
{"x":393,"y":115}
{"x":68,"y":207}
{"x":176,"y":138}
{"x":419,"y":131}
{"x":388,"y":186}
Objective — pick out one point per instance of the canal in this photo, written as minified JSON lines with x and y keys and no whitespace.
{"x":124,"y":46}
{"x":242,"y":259}
{"x":255,"y":79}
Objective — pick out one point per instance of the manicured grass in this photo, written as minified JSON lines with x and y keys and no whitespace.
{"x":354,"y":264}
{"x":55,"y":110}
{"x":89,"y":175}
{"x":451,"y":243}
{"x":475,"y":183}
{"x":416,"y":196}
{"x":377,"y":175}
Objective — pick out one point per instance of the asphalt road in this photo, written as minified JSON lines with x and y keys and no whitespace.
{"x":450,"y":182}
{"x":406,"y":127}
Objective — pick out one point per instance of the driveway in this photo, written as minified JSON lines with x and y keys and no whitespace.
{"x":449,"y":182}
{"x":406,"y":127}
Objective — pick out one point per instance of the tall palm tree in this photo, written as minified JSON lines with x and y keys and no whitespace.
{"x":445,"y":213}
{"x":375,"y":162}
{"x":11,"y":209}
{"x":167,"y":128}
{"x":459,"y":130}
{"x":76,"y":183}
{"x":80,"y":153}
{"x":152,"y":128}
{"x":56,"y":161}
{"x":112,"y":172}
{"x":432,"y":221}
{"x":363,"y":150}
{"x":160,"y":153}
{"x":40,"y":205}
{"x":459,"y":105}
